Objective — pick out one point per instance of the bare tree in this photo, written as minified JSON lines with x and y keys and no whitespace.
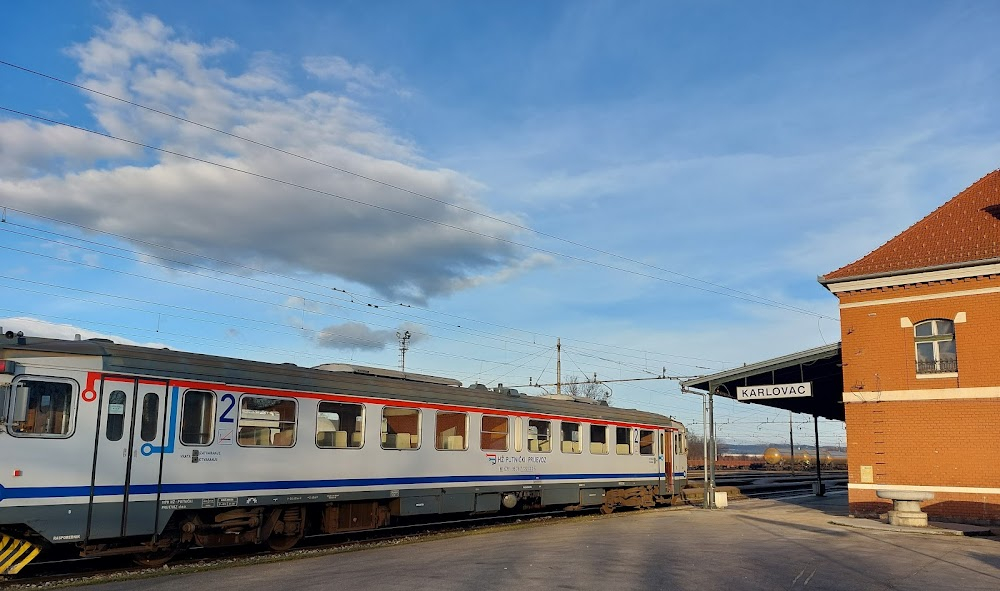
{"x":587,"y":389}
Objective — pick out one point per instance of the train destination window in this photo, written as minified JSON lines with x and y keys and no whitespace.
{"x":494,"y":434}
{"x":450,"y":431}
{"x":40,"y":408}
{"x":150,"y":416}
{"x":266,"y":422}
{"x":645,"y":442}
{"x":539,"y":436}
{"x":623,"y":445}
{"x":115,"y":421}
{"x":400,"y":428}
{"x":598,"y":439}
{"x":570,"y":438}
{"x":339,"y":424}
{"x":197,"y":417}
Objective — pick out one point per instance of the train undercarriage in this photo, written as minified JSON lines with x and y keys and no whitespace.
{"x":282,"y":527}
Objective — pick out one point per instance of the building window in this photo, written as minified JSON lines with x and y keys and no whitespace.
{"x":935,"y":343}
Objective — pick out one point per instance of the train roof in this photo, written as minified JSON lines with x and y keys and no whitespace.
{"x":344,"y":379}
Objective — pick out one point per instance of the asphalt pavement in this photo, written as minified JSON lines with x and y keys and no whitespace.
{"x":802,"y":543}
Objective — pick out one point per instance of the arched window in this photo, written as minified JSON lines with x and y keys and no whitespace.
{"x":935,"y":342}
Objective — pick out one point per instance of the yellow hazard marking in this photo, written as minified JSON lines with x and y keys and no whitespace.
{"x":15,"y":554}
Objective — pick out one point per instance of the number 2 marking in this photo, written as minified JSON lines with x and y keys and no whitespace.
{"x":225,"y":418}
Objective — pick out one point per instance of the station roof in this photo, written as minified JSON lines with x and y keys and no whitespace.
{"x":821,"y":366}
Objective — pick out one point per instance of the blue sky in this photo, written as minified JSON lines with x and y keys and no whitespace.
{"x":658,"y":184}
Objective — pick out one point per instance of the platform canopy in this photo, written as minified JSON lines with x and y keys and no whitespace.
{"x":820,"y":366}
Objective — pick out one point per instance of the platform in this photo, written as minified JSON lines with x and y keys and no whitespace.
{"x":754,"y":544}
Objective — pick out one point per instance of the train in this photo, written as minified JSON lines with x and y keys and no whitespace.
{"x":116,"y":449}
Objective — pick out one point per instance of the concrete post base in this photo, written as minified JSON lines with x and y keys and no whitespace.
{"x":906,"y":506}
{"x":908,"y":518}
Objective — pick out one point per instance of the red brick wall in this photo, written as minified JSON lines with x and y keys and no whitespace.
{"x":923,"y":443}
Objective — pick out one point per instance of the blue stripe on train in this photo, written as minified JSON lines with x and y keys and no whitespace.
{"x":42,"y":492}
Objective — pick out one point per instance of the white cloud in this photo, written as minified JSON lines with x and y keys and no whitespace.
{"x":357,"y":78}
{"x":33,"y":327}
{"x":198,"y":207}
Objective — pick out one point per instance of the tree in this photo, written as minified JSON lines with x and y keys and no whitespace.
{"x":587,"y":389}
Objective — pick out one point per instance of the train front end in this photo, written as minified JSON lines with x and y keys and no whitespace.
{"x":15,"y":552}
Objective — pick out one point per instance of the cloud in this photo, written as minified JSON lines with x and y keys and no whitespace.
{"x":358,"y":79}
{"x":358,"y":336}
{"x":33,"y":327}
{"x":240,"y":218}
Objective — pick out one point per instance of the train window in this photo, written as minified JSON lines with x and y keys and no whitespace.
{"x":623,"y":444}
{"x":494,"y":434}
{"x":570,"y":437}
{"x":450,"y":432}
{"x":400,"y":428}
{"x":539,"y":436}
{"x":115,"y":421}
{"x":150,"y":416}
{"x":645,"y":442}
{"x":598,"y":439}
{"x":197,"y":417}
{"x":266,"y":422}
{"x":41,"y":408}
{"x":340,"y":425}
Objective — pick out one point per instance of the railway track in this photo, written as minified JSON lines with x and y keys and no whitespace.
{"x":772,"y":485}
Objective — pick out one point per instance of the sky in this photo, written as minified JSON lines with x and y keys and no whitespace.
{"x":657,"y":185}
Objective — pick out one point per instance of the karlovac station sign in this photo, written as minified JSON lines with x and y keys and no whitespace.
{"x":775,"y":391}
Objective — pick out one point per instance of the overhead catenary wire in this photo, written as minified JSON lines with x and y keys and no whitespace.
{"x":365,"y":308}
{"x":756,"y":298}
{"x":751,"y":299}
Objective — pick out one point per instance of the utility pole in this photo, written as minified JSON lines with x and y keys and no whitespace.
{"x":791,"y":443}
{"x":711,"y":449}
{"x":558,"y":366}
{"x":404,"y":339}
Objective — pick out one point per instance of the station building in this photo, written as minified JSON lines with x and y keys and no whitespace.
{"x":920,"y":354}
{"x":916,"y":376}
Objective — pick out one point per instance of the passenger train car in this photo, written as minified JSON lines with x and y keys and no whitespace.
{"x":115,"y":449}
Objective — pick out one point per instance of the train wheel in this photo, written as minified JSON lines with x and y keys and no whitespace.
{"x":281,"y":543}
{"x":154,"y":559}
{"x":607,"y":509}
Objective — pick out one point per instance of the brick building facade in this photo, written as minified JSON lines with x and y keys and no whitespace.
{"x":920,"y":323}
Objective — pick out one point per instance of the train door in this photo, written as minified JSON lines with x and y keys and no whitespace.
{"x":126,"y":476}
{"x":667,"y":453}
